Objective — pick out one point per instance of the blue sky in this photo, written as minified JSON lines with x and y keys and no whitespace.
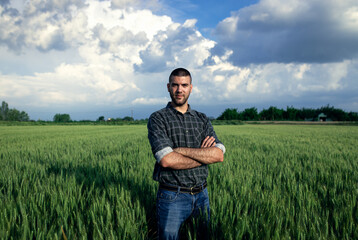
{"x":207,"y":12}
{"x":113,"y":58}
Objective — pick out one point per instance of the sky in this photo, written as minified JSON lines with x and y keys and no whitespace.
{"x":113,"y":58}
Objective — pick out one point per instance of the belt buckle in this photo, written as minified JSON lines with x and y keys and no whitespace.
{"x":191,"y":191}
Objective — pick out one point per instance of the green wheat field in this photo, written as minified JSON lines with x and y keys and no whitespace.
{"x":95,"y":182}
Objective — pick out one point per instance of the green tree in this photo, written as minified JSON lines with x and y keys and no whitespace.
{"x":24,"y":116}
{"x":101,"y":118}
{"x":273,"y":113}
{"x":334,"y":113}
{"x":291,"y":114}
{"x":4,"y":110}
{"x":249,"y":114}
{"x":12,"y":114}
{"x":229,"y":114}
{"x":15,"y":115}
{"x":353,"y":116}
{"x":307,"y":113}
{"x":62,"y":117}
{"x":127,"y":118}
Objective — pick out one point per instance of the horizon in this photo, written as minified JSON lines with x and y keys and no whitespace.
{"x":144,"y":113}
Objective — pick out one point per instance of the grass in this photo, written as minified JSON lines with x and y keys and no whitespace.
{"x":95,"y":182}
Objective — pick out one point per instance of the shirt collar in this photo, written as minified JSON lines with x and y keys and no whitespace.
{"x":189,"y":111}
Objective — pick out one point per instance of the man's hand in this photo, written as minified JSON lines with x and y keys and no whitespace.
{"x":208,"y":142}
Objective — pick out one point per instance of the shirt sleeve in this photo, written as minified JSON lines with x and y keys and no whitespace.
{"x":158,"y":138}
{"x":210,"y":132}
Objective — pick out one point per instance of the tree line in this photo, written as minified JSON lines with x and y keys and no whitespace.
{"x":328,"y":113}
{"x":63,"y":118}
{"x":12,"y":114}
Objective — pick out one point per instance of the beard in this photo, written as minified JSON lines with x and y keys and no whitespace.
{"x":180,"y":102}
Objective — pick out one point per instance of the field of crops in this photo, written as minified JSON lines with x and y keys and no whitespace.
{"x":95,"y":182}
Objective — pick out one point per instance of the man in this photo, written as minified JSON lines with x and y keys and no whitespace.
{"x":183,"y":142}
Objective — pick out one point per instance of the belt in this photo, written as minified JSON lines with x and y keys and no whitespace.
{"x":192,"y":190}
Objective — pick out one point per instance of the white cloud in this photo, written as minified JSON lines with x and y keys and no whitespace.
{"x":148,"y":4}
{"x":76,"y":83}
{"x":34,"y":7}
{"x":42,"y":24}
{"x":274,"y":82}
{"x":298,"y":72}
{"x":179,"y":45}
{"x":151,"y":101}
{"x":136,"y":21}
{"x":108,"y":48}
{"x":9,"y":27}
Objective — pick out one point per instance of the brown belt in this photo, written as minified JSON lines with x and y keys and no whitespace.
{"x":192,"y":190}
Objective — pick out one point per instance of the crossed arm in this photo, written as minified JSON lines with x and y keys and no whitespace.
{"x":186,"y":158}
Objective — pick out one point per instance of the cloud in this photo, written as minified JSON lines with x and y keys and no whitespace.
{"x":107,"y":50}
{"x":291,"y":31}
{"x":45,"y":25}
{"x":112,"y":54}
{"x":117,"y":40}
{"x":70,"y":84}
{"x":134,"y":20}
{"x":151,"y":101}
{"x":274,"y":83}
{"x":4,"y":2}
{"x":136,"y":4}
{"x":178,"y":45}
{"x":64,"y":7}
{"x":10,"y":30}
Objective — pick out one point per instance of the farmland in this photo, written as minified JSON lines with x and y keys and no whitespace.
{"x":95,"y":182}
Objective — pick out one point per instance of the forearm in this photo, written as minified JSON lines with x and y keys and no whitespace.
{"x":186,"y":158}
{"x":178,"y":161}
{"x":207,"y":155}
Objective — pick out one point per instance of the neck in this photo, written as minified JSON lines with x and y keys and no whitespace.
{"x":182,"y":108}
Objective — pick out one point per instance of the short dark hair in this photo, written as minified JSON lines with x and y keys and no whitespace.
{"x":179,"y":72}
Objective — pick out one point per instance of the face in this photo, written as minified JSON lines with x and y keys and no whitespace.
{"x":180,"y":89}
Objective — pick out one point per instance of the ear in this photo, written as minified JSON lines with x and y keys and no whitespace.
{"x":168,"y":86}
{"x":191,"y":87}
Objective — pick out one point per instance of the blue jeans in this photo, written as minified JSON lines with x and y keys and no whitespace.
{"x":174,"y":208}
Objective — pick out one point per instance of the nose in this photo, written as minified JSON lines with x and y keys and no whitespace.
{"x":179,"y":89}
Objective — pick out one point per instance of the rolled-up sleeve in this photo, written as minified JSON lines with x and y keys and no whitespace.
{"x":210,"y":132}
{"x":221,"y":146}
{"x":160,"y":143}
{"x":161,"y":153}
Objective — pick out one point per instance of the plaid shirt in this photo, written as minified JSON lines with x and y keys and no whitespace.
{"x":169,"y":129}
